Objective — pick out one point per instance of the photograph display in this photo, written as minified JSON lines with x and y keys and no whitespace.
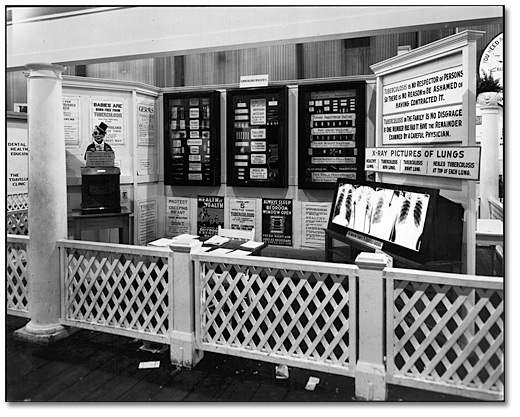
{"x":395,"y":216}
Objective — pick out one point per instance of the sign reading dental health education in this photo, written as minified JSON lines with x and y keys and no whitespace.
{"x":17,"y":161}
{"x":425,"y":109}
{"x":449,"y":162}
{"x":112,"y":113}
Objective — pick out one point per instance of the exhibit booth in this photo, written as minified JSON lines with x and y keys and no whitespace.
{"x":353,"y":203}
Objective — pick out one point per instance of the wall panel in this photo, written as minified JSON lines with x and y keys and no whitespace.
{"x":141,"y":70}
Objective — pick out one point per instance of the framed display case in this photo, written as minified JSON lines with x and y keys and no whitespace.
{"x":414,"y":223}
{"x":192,"y":138}
{"x":331,"y":131}
{"x":257,"y":137}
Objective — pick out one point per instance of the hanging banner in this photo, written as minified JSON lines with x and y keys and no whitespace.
{"x":452,"y":162}
{"x":111,"y":113}
{"x":424,"y":109}
{"x":277,"y":222}
{"x":315,"y":217}
{"x":210,"y":215}
{"x":242,"y":214}
{"x":146,"y":123}
{"x":71,"y":120}
{"x":177,"y":216}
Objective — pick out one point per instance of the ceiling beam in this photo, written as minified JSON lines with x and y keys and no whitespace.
{"x":148,"y":32}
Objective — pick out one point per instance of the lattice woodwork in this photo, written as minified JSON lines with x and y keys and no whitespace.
{"x":17,"y":222}
{"x":448,"y":334}
{"x":16,"y":275}
{"x":285,"y":313}
{"x":121,"y":290}
{"x":15,"y":202}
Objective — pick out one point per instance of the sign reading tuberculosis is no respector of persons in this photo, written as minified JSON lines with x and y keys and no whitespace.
{"x":424,"y":109}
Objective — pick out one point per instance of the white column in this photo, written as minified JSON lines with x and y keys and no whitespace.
{"x":489,"y":143}
{"x":370,"y":368}
{"x":183,"y":350}
{"x":47,"y":209}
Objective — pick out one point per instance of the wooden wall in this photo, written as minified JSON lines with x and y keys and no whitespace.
{"x":282,"y":62}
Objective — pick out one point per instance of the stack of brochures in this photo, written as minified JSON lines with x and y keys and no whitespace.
{"x":216,"y":240}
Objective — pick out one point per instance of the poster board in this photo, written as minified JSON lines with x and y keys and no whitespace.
{"x":437,"y":77}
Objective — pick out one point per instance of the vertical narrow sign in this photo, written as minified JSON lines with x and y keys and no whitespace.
{"x":177,"y":216}
{"x":210,"y":215}
{"x":147,"y":217}
{"x":277,"y":221}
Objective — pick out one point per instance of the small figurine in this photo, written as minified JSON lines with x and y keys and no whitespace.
{"x":98,"y":136}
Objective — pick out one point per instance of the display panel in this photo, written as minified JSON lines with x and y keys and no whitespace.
{"x":396,"y":216}
{"x":398,"y":219}
{"x":192,"y":138}
{"x":332,"y":133}
{"x":257,"y":137}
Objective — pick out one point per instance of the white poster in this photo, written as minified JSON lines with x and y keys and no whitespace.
{"x":315,"y":217}
{"x":17,"y":161}
{"x":424,"y":109}
{"x":112,"y":113}
{"x":146,"y":123}
{"x":147,"y":220}
{"x":71,"y":120}
{"x":242,"y":214}
{"x":177,"y":216}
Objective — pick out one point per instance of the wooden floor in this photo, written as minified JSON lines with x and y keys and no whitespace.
{"x":96,"y":367}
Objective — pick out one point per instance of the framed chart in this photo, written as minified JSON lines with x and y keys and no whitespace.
{"x":192,"y":138}
{"x":331,"y":130}
{"x":257,"y":137}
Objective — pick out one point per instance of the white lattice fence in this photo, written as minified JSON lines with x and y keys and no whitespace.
{"x":17,"y":222}
{"x":18,"y":201}
{"x":16,"y":275}
{"x":278,"y":310}
{"x":120,"y":289}
{"x":445,"y":332}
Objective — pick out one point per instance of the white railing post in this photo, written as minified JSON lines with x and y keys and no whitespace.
{"x":182,"y":336}
{"x":370,"y":368}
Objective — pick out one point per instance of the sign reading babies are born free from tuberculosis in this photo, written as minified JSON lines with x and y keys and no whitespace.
{"x":424,"y":109}
{"x":112,"y":113}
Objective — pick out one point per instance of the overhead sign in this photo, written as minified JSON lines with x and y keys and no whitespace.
{"x":449,"y":162}
{"x":247,"y":81}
